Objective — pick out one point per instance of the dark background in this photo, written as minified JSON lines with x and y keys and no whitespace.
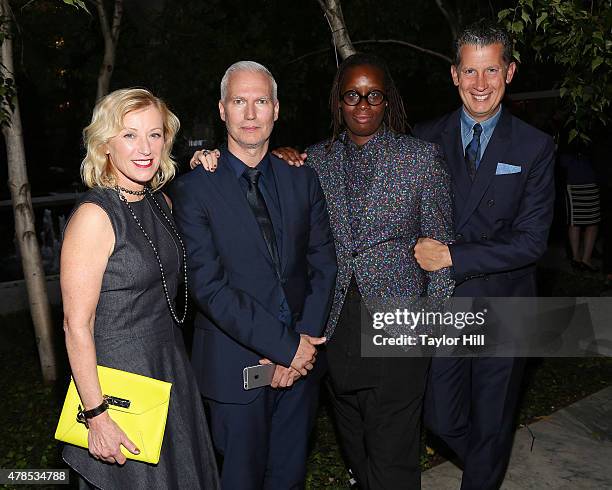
{"x":180,"y":50}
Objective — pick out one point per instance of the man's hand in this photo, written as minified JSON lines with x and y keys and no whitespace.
{"x":283,"y":377}
{"x":290,"y":155}
{"x":306,"y":353}
{"x":432,"y":255}
{"x":206,"y":158}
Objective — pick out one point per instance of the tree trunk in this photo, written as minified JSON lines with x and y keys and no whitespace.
{"x":24,"y":219}
{"x":342,"y":40}
{"x":111,"y":36}
{"x":454,"y":20}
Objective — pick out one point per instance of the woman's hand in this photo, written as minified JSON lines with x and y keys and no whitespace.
{"x":106,"y":438}
{"x":206,"y":158}
{"x":290,"y":155}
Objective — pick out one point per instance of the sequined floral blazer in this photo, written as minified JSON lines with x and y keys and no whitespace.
{"x":409,"y":197}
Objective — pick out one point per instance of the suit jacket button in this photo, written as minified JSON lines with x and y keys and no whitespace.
{"x":490,"y":203}
{"x":484,"y":236}
{"x":459,"y":236}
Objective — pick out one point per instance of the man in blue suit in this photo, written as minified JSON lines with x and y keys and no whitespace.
{"x":502,"y":174}
{"x":262,"y":267}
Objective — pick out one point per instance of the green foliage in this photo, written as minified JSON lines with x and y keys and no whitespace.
{"x":30,"y":408}
{"x":575,"y":36}
{"x":325,"y":465}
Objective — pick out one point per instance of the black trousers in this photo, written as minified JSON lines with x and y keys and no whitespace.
{"x":377,"y":405}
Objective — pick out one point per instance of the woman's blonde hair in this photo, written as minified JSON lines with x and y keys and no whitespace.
{"x":107,"y":122}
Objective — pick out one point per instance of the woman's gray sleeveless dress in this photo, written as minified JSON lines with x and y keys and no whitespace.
{"x":135,"y":332}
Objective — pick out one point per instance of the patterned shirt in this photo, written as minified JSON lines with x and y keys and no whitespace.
{"x":359,"y":163}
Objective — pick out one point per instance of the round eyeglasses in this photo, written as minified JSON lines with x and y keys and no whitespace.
{"x":353,"y":98}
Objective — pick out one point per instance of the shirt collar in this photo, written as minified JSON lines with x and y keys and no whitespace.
{"x":467,"y":122}
{"x":238,"y":166}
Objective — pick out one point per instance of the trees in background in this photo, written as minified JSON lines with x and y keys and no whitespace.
{"x":573,"y":36}
{"x":18,"y":183}
{"x":343,"y":45}
{"x":110,"y":27}
{"x":180,"y":50}
{"x":576,"y":37}
{"x":340,"y":34}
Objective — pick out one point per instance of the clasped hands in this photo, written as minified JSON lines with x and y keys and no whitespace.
{"x":303,"y":361}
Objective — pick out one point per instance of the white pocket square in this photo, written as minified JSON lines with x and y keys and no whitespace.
{"x":506,"y":168}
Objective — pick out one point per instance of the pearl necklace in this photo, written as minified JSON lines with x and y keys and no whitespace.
{"x":133,"y":193}
{"x":148,"y":192}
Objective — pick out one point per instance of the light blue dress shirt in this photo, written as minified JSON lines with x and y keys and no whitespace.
{"x":467,"y":131}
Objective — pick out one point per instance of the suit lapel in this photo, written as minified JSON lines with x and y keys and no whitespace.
{"x":498,"y":147}
{"x":235,"y":200}
{"x":285,"y":190}
{"x":451,"y":140}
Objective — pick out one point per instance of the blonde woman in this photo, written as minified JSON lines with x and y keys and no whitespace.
{"x":121,"y":263}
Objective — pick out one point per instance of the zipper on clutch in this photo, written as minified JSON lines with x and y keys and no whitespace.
{"x":117,"y":402}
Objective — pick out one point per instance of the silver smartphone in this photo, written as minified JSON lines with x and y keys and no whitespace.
{"x":258,"y":376}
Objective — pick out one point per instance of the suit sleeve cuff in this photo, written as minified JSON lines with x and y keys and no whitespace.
{"x":455,"y":268}
{"x":292,"y":347}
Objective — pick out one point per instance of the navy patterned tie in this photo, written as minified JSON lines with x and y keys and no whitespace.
{"x":260,"y":210}
{"x":472,"y":150}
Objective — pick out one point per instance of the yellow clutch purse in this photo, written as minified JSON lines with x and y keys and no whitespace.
{"x":138,"y":404}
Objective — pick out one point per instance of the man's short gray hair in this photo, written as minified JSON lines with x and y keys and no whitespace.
{"x":484,"y":33}
{"x":251,"y":66}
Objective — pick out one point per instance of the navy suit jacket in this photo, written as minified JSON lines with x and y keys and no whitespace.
{"x":233,"y":280}
{"x":501,"y":219}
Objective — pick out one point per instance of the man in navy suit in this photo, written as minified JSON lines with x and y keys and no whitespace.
{"x":502,"y":174}
{"x":262,"y":267}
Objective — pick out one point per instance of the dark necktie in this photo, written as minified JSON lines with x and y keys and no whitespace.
{"x":260,"y":210}
{"x":472,"y":150}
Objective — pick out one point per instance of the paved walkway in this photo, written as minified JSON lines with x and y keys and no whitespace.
{"x":572,"y":450}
